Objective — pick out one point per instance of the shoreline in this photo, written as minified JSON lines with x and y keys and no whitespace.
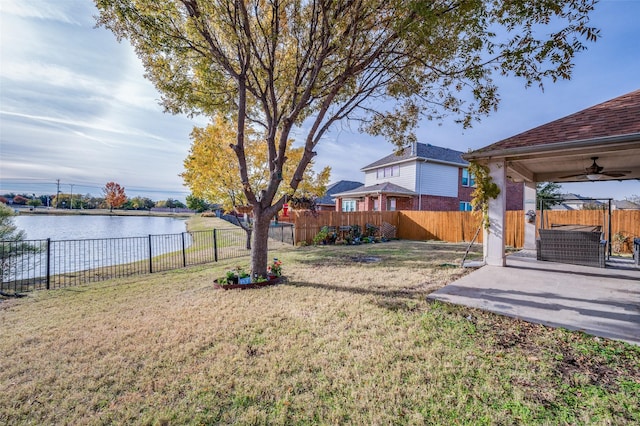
{"x":97,"y":212}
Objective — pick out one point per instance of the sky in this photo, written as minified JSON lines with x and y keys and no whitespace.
{"x":75,"y":107}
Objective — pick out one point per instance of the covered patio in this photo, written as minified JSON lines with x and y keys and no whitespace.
{"x":600,"y":302}
{"x":598,"y":143}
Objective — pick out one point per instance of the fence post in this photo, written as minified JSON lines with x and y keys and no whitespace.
{"x":150,"y":256}
{"x":48,"y":263}
{"x":184,"y":254}
{"x":215,"y":245}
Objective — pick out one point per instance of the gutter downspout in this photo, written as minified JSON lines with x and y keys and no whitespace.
{"x":419,"y":177}
{"x":424,"y":160}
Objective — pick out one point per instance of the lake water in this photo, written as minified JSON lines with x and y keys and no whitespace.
{"x":88,"y":242}
{"x":91,"y":227}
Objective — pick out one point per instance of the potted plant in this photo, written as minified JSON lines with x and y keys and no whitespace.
{"x":231,"y":277}
{"x":243,"y":277}
{"x":274,"y":270}
{"x":321,"y":236}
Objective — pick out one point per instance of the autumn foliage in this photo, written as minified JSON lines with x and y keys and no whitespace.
{"x":114,"y":195}
{"x":212,"y":170}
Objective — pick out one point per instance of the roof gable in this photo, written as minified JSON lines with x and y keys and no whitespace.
{"x":334,"y":188}
{"x":421,"y":151}
{"x":342,"y":185}
{"x":626,"y":205}
{"x":615,"y":117}
{"x":380,"y":188}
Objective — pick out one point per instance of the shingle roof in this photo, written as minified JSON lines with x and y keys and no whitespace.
{"x":385,"y":188}
{"x":626,"y":205}
{"x":340,"y":186}
{"x":427,"y":151}
{"x":615,"y":117}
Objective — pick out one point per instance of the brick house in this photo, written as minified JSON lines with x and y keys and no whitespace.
{"x":420,"y":177}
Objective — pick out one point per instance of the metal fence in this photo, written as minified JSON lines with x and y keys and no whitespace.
{"x":47,"y":264}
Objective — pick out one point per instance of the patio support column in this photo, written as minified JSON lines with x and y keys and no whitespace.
{"x":493,"y":245}
{"x":529,"y":204}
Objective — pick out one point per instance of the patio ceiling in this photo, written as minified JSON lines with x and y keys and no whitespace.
{"x":563,"y":164}
{"x":562,"y":150}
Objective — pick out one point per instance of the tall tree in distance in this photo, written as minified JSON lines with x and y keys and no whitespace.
{"x":548,"y":193}
{"x":304,"y":66}
{"x":114,"y":195}
{"x":212,"y":174}
{"x":196,"y":204}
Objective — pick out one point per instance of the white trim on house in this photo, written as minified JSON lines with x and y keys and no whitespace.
{"x":423,"y":159}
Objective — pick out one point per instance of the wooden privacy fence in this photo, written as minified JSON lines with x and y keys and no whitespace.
{"x":460,"y":226}
{"x":307,"y":224}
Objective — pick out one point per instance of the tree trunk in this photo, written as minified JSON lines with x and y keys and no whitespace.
{"x":248,"y":231}
{"x":260,"y":246}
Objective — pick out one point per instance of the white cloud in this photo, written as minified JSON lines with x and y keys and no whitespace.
{"x":58,"y":10}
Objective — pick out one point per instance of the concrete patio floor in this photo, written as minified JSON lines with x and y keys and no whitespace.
{"x":602,"y":302}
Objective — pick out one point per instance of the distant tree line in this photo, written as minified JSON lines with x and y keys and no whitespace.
{"x":87,"y":201}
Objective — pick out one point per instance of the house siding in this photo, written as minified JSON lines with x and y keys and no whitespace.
{"x":438,"y":180}
{"x":406,"y":179}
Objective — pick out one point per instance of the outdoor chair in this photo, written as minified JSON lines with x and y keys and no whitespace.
{"x":574,"y":247}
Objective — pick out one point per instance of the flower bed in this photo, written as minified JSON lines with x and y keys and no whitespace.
{"x":224,"y":286}
{"x":239,"y":278}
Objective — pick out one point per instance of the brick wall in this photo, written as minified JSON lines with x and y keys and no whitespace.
{"x":438,"y":203}
{"x":405,"y":203}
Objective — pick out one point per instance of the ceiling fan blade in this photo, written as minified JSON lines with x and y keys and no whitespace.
{"x":616,"y":173}
{"x":572,"y":176}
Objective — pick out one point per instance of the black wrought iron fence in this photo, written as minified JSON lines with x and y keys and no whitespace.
{"x":47,"y":264}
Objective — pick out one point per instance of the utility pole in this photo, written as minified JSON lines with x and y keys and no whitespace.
{"x":57,"y":193}
{"x":71,"y":198}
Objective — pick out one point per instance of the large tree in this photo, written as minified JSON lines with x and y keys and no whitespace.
{"x":211,"y":172}
{"x":114,"y":195}
{"x":276,"y":64}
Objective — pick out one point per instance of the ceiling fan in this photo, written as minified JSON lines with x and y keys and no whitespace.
{"x":595,"y":172}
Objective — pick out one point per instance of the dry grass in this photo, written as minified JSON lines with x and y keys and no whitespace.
{"x":206,"y":223}
{"x":348,"y":339}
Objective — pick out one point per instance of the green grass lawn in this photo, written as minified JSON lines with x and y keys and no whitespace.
{"x":349,"y":338}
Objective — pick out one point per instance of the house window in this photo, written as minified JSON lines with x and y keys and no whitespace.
{"x":465,"y":206}
{"x":386,"y":172}
{"x":468,"y":179}
{"x":391,"y":204}
{"x":348,"y":205}
{"x":376,"y":205}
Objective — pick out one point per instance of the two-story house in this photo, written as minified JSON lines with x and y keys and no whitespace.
{"x":421,"y":177}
